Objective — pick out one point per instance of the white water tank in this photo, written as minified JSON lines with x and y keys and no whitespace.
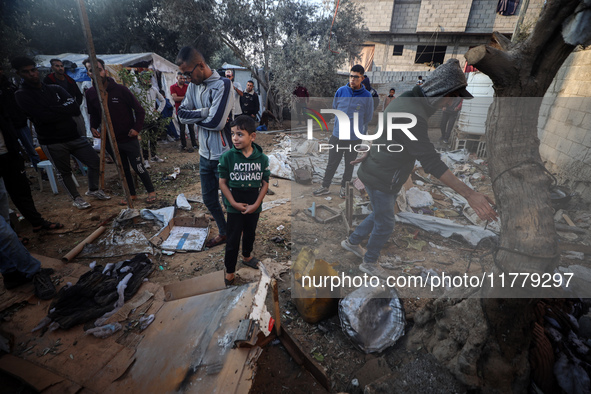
{"x":473,"y":115}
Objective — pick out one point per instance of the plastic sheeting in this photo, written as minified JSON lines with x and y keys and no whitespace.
{"x":445,"y":227}
{"x":162,"y":215}
{"x":372,"y":324}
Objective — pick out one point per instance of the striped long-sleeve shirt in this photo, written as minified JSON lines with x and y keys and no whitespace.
{"x":208,"y":105}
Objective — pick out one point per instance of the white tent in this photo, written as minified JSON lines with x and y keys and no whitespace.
{"x":147,"y":60}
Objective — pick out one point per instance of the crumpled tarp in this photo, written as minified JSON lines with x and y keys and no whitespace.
{"x":445,"y":227}
{"x":117,"y":242}
{"x":162,"y":215}
{"x":372,"y":324}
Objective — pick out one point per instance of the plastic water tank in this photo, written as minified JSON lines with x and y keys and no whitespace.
{"x":473,"y":115}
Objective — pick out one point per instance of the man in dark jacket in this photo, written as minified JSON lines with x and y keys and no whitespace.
{"x":12,"y":169}
{"x":60,"y":78}
{"x":249,"y":101}
{"x":51,"y":108}
{"x":383,"y":172}
{"x":127,"y":117}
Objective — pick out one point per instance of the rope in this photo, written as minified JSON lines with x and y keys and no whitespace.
{"x":331,"y":25}
{"x":528,"y":161}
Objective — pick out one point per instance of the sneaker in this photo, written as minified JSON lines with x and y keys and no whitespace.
{"x":147,"y":164}
{"x":195,"y":147}
{"x":80,"y":203}
{"x":373,"y":269}
{"x":98,"y":194}
{"x":357,"y":250}
{"x":44,"y":288}
{"x":343,"y":193}
{"x":169,"y":138}
{"x":182,"y":148}
{"x":321,"y":192}
{"x":156,"y":159}
{"x":190,"y":150}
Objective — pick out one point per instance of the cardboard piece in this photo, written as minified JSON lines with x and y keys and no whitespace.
{"x":195,"y":286}
{"x":39,"y":378}
{"x":188,"y":347}
{"x":184,"y":234}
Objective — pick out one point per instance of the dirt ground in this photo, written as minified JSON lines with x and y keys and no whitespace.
{"x":348,"y":368}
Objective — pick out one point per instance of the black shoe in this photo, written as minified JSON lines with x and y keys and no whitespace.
{"x":14,"y":279}
{"x":44,"y":288}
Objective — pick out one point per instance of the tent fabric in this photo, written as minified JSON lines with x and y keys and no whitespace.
{"x":125,"y":59}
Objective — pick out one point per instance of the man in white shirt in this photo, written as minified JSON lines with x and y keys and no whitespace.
{"x":236,"y":110}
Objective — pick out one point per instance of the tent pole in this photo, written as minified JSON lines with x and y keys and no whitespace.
{"x":103,"y":97}
{"x":102,"y":155}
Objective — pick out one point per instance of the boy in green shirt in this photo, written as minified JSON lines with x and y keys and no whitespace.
{"x":244,"y":180}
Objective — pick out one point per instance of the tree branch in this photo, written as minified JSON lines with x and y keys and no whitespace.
{"x":500,"y":42}
{"x":497,"y":64}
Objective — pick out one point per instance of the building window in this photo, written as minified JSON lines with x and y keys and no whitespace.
{"x":397,"y":50}
{"x":430,"y":54}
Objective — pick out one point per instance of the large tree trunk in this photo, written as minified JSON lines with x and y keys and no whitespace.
{"x":521,"y":74}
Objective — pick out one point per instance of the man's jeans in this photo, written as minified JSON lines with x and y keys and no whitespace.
{"x":380,"y":224}
{"x":13,"y":255}
{"x":210,"y":184}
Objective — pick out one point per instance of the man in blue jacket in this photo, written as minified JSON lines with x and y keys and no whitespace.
{"x":350,"y":99}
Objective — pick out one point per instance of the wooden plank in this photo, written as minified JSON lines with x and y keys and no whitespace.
{"x":568,"y":220}
{"x":38,"y":377}
{"x":294,"y":348}
{"x":195,"y":286}
{"x":575,"y":247}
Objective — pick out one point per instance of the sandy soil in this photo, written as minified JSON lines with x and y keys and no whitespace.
{"x":276,"y":370}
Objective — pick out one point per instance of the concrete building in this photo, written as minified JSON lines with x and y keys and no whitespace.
{"x":410,"y":37}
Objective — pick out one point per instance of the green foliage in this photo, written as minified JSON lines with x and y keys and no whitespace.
{"x":289,"y":41}
{"x":140,"y":84}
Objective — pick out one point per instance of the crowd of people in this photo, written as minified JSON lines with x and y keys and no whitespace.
{"x":220,"y":118}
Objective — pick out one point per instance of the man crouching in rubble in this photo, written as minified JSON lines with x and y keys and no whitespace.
{"x":383,"y":173}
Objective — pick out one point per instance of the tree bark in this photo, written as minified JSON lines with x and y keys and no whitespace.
{"x":521,"y":74}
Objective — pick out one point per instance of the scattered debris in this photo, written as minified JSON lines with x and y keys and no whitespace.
{"x":182,"y":203}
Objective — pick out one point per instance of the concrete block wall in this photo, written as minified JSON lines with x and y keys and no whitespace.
{"x":444,"y":15}
{"x":377,"y":15}
{"x":406,"y":16}
{"x":482,"y":16}
{"x":564,"y":126}
{"x":506,"y":24}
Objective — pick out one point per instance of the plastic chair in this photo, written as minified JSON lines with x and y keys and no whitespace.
{"x":48,"y":167}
